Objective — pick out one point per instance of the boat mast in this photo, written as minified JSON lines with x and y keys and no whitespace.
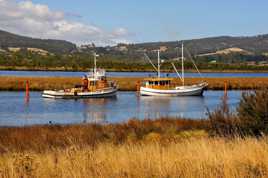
{"x":95,"y":64}
{"x":182,"y":64}
{"x":158,"y":56}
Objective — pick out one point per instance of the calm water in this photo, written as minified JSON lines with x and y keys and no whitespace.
{"x":15,"y":111}
{"x":124,"y":74}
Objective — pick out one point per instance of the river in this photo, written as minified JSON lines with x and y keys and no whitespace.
{"x":16,"y":111}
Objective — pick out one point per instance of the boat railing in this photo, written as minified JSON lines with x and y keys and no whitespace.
{"x":106,"y":89}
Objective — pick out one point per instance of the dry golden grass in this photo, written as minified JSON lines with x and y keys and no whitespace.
{"x":125,"y":83}
{"x":37,"y":83}
{"x":43,"y":138}
{"x":159,"y":148}
{"x":203,"y":157}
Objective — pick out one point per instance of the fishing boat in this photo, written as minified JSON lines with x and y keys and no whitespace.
{"x":164,"y":86}
{"x":94,"y":85}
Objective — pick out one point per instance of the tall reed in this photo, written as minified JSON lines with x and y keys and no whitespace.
{"x":205,"y":157}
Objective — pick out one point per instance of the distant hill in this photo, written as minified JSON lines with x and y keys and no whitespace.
{"x":223,"y":52}
{"x":224,"y":48}
{"x":9,"y":40}
{"x":220,"y":46}
{"x":254,"y":44}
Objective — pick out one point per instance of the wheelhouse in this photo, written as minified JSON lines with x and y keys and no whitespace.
{"x":159,"y":83}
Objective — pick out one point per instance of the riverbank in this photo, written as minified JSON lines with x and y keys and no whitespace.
{"x":70,"y":69}
{"x":160,"y":148}
{"x":12,"y":83}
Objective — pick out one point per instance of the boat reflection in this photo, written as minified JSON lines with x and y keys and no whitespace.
{"x":157,"y":107}
{"x":95,"y":110}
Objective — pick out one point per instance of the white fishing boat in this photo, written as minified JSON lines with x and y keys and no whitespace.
{"x":94,"y":85}
{"x":163,"y":86}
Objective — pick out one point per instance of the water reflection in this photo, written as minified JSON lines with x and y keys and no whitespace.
{"x":27,"y":105}
{"x":95,"y":109}
{"x":156,"y":107}
{"x":14,"y":111}
{"x":153,"y":107}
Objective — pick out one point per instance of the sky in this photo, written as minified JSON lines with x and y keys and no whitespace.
{"x":108,"y":22}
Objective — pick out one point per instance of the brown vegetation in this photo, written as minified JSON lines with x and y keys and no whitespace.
{"x":125,"y":83}
{"x":160,"y":148}
{"x":189,"y":158}
{"x":43,"y":138}
{"x":250,"y":118}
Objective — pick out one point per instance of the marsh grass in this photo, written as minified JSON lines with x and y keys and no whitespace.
{"x":42,"y":138}
{"x":195,"y":157}
{"x":125,"y":83}
{"x":149,"y":148}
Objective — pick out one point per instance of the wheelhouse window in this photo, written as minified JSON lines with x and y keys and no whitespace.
{"x":160,"y":82}
{"x":92,"y":83}
{"x":164,"y":82}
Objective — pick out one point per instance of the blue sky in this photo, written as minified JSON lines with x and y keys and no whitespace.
{"x":150,"y":20}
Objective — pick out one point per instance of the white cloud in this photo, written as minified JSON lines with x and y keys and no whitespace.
{"x":38,"y":20}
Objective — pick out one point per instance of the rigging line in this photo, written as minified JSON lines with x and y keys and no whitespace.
{"x":194,"y":63}
{"x":147,"y":57}
{"x":176,"y":71}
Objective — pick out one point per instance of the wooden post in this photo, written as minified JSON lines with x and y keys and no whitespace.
{"x":138,"y":85}
{"x":27,"y":91}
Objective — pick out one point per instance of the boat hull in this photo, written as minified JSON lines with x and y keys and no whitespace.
{"x":195,"y":90}
{"x":78,"y":95}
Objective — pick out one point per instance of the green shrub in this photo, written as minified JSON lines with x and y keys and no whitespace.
{"x":250,"y":118}
{"x":223,"y":122}
{"x":253,"y":112}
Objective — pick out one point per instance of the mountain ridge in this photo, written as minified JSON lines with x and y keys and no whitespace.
{"x":8,"y":40}
{"x":256,"y":44}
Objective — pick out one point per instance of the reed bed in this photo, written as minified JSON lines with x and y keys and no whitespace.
{"x":202,"y":157}
{"x":11,"y":83}
{"x":148,"y":148}
{"x":42,"y":138}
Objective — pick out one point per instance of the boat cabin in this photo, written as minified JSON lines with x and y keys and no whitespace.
{"x":99,"y":83}
{"x":157,"y":83}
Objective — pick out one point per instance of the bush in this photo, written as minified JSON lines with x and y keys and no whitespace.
{"x":223,"y":122}
{"x":250,"y":119}
{"x":253,"y":112}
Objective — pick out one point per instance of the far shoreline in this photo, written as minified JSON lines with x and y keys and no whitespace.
{"x":61,"y":69}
